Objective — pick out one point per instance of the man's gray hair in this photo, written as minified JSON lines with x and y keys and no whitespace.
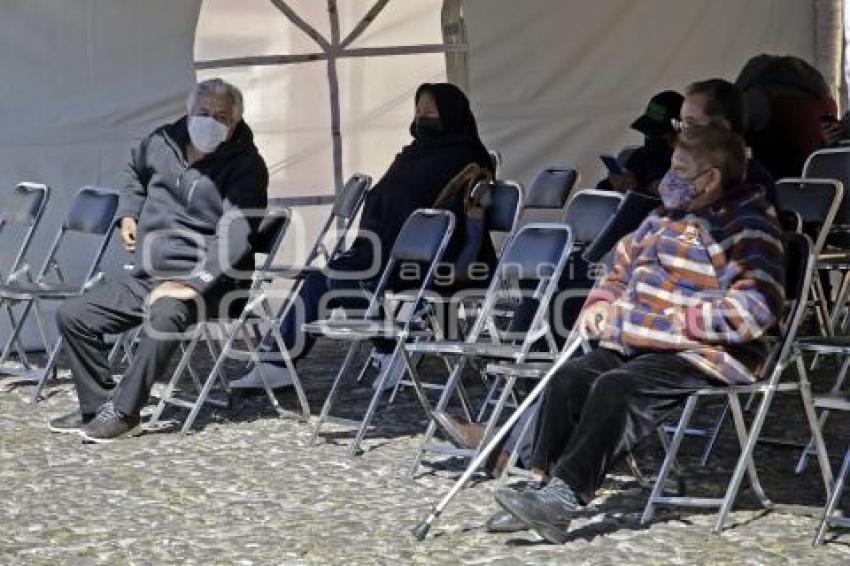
{"x":217,"y":87}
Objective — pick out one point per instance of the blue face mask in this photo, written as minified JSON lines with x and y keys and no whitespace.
{"x":677,"y":192}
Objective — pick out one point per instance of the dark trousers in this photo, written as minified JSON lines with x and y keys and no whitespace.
{"x":113,"y":308}
{"x":600,"y":406}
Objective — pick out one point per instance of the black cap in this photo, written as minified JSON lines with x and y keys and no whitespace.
{"x":662,"y":108}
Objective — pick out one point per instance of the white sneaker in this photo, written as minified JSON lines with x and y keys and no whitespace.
{"x":276,"y":376}
{"x":396,"y":372}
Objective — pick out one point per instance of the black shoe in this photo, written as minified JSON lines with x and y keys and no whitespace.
{"x":111,"y":424}
{"x":72,"y":423}
{"x":547,"y":511}
{"x":505,"y":522}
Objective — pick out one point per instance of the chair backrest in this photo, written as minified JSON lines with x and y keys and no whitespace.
{"x":815,"y":200}
{"x":632,"y":211}
{"x":536,"y":255}
{"x":20,"y":211}
{"x":24,"y":204}
{"x":551,"y":188}
{"x":91,"y":213}
{"x":502,"y":202}
{"x":422,"y":235}
{"x":422,"y":240}
{"x":349,"y":199}
{"x":588,"y":211}
{"x":833,"y":163}
{"x":92,"y":210}
{"x":271,"y":231}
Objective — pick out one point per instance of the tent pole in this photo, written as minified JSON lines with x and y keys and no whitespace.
{"x":333,"y":87}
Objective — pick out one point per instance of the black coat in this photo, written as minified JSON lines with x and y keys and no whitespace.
{"x":178,"y":207}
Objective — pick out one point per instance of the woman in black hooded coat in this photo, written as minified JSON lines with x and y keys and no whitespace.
{"x":445,"y":140}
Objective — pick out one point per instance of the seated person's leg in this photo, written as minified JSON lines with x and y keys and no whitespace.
{"x":111,"y":308}
{"x":622,"y":407}
{"x":160,"y":336}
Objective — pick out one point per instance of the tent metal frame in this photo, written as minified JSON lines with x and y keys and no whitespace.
{"x":331,"y":50}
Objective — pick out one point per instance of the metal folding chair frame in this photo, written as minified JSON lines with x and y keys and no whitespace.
{"x":257,"y":297}
{"x":360,"y":330}
{"x":747,"y":438}
{"x":15,"y":267}
{"x":472,"y":349}
{"x":32,"y":298}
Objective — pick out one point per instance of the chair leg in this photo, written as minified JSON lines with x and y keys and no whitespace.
{"x":16,"y":332}
{"x":833,"y":500}
{"x":715,"y":433}
{"x":442,"y":402}
{"x":809,"y":449}
{"x":497,"y":412}
{"x":49,"y":368}
{"x":745,"y":463}
{"x":817,"y":437}
{"x":175,"y":379}
{"x":334,"y":392}
{"x":354,"y":447}
{"x":669,"y":458}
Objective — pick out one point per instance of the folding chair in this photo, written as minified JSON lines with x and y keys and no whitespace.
{"x":502,"y":202}
{"x":537,"y":253}
{"x":267,"y":242}
{"x":90,"y":214}
{"x":799,"y":269}
{"x":551,"y":188}
{"x":814,"y":202}
{"x":21,"y":211}
{"x":588,"y":212}
{"x":633,"y":209}
{"x":422,"y":240}
{"x":835,"y":402}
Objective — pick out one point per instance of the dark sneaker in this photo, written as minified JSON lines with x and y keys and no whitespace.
{"x":72,"y":423}
{"x":547,"y":511}
{"x":504,"y":522}
{"x":111,"y":424}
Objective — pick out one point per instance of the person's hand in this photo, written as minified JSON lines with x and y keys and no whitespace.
{"x":174,"y":290}
{"x":593,"y":319}
{"x":128,"y":233}
{"x":832,"y":133}
{"x":624,"y":182}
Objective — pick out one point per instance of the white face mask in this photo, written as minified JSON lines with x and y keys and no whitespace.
{"x":206,"y":133}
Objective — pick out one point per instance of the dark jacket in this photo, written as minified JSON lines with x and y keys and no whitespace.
{"x":179,"y":207}
{"x":416,"y":177}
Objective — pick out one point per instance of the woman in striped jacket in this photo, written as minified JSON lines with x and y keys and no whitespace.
{"x":691,"y":294}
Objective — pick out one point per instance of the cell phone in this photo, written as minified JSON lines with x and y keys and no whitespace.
{"x":611,"y":164}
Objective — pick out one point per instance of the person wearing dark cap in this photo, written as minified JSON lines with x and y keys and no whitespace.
{"x":445,"y":141}
{"x":647,"y":164}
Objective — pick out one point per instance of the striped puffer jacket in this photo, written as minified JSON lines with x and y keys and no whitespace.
{"x":706,"y":285}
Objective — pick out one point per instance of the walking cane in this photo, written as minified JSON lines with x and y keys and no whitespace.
{"x":420,"y":531}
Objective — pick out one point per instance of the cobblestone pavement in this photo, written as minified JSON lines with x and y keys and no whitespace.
{"x":246,"y":487}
